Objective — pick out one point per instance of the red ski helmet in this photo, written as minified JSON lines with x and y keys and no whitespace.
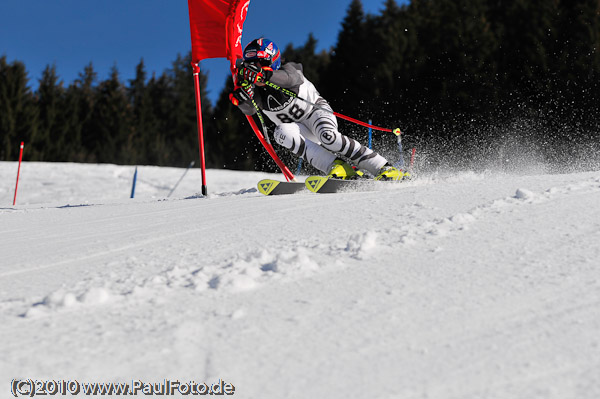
{"x":264,"y":51}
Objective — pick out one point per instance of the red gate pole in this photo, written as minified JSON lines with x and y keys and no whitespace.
{"x":196,"y":70}
{"x":412,"y":158}
{"x":18,"y":173}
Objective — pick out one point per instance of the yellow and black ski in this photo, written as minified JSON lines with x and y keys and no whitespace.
{"x":276,"y":187}
{"x":326,"y":185}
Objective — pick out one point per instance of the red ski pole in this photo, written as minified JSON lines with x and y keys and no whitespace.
{"x":18,"y":173}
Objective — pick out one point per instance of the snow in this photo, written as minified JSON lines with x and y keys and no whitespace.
{"x":456,"y":285}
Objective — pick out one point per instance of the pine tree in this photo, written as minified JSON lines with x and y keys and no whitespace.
{"x":348,"y":82}
{"x":81,"y":97}
{"x":50,"y":141}
{"x":231,"y":143}
{"x":525,"y":30}
{"x":313,"y":64}
{"x":181,"y":134}
{"x":578,"y":42}
{"x":110,"y":127}
{"x":18,"y":114}
{"x":455,"y":52}
{"x":160,"y":93}
{"x":572,"y":97}
{"x":390,"y":59}
{"x":389,"y":46}
{"x":144,"y":122}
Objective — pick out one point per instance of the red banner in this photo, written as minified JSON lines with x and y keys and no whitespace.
{"x":216,"y":28}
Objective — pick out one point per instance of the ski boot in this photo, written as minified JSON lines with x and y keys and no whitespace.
{"x":342,"y":170}
{"x":389,"y":173}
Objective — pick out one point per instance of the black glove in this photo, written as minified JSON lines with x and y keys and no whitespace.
{"x":242,"y":93}
{"x":267,"y":72}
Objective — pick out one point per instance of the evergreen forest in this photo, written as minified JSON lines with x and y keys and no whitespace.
{"x":465,"y":80}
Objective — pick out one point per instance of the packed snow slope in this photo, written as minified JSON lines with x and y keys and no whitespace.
{"x":455,"y":285}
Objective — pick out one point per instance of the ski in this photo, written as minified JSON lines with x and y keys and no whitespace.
{"x":276,"y":187}
{"x":318,"y":184}
{"x":326,"y":185}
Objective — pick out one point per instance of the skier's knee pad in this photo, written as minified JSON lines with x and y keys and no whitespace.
{"x":287,"y":134}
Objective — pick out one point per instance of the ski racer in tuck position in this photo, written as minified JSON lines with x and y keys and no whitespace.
{"x":309,"y":132}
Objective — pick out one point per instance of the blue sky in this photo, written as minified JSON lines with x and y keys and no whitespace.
{"x":71,"y":33}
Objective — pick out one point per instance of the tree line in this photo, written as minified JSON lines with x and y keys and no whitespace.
{"x":464,"y":79}
{"x":147,"y":121}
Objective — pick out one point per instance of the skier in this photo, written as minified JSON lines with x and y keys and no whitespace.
{"x":309,"y":132}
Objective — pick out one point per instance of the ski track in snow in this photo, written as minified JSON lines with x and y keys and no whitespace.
{"x":507,"y":276}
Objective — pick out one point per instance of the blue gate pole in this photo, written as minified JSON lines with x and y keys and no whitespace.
{"x":299,"y":167}
{"x":370,"y":135}
{"x":400,"y":163}
{"x":133,"y":185}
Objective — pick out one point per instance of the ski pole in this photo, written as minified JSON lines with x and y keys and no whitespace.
{"x":260,"y":116}
{"x":262,"y":121}
{"x":294,"y":95}
{"x":267,"y":143}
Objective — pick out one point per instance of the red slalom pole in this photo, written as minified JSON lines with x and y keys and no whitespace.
{"x":361,"y":123}
{"x":18,"y":172}
{"x":365,"y":124}
{"x":196,"y":72}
